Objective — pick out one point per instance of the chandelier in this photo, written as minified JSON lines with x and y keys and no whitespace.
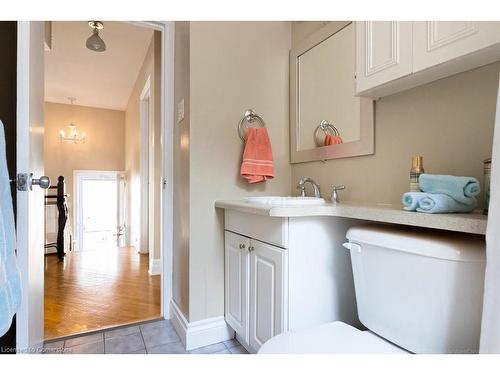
{"x":71,"y":134}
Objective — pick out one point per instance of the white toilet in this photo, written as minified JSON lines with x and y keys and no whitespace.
{"x":417,"y":291}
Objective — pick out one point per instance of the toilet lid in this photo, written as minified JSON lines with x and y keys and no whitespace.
{"x":330,"y":338}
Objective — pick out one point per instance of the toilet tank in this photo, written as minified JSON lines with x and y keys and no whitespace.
{"x":420,"y":289}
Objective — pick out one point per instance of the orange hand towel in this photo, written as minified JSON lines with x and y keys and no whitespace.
{"x":257,"y":163}
{"x":333,"y":140}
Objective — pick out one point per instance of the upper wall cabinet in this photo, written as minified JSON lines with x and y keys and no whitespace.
{"x":383,"y":52}
{"x":436,"y":42}
{"x":395,"y":56}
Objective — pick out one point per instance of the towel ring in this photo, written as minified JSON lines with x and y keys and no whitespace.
{"x":328,"y":129}
{"x":248,"y":118}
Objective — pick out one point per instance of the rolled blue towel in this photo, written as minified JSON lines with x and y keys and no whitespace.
{"x":411,"y":199}
{"x":462,"y":189}
{"x":442,"y":203}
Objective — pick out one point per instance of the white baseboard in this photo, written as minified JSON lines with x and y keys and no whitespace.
{"x":200,"y":333}
{"x":155,"y":267}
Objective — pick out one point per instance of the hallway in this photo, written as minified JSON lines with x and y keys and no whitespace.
{"x":92,"y":290}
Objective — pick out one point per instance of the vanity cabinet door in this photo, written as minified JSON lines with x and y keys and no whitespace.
{"x":383,"y":52}
{"x":436,"y":42}
{"x":268,"y":292}
{"x":236,"y":276}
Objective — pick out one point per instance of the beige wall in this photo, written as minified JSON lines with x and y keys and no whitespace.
{"x":234,"y":66}
{"x":180,"y":282}
{"x":103,"y":148}
{"x":133,"y":145}
{"x":450,"y":122}
{"x":303,"y":29}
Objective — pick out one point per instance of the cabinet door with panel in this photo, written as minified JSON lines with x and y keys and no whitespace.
{"x":268,"y":292}
{"x":237,"y":263}
{"x":435,"y":42}
{"x":383,"y":52}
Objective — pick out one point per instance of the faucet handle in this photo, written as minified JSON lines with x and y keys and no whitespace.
{"x":302,"y":189}
{"x":335,"y":190}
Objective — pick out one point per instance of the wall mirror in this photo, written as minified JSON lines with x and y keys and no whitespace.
{"x":327,"y":121}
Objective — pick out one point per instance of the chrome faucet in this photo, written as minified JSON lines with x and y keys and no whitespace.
{"x":302,"y":187}
{"x":335,"y":193}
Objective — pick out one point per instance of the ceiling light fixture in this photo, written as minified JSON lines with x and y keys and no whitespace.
{"x":72,"y":134}
{"x":94,"y":42}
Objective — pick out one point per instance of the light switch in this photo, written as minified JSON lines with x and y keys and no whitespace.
{"x":180,"y":111}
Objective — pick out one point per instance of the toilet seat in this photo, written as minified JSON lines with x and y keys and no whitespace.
{"x":329,"y":338}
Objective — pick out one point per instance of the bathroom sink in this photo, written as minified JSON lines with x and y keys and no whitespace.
{"x":286,"y":201}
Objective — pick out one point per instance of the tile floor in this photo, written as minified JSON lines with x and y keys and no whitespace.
{"x":157,"y":337}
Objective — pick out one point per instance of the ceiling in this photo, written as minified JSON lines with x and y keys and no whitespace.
{"x":95,"y":79}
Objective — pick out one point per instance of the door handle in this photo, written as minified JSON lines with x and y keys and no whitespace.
{"x":25,"y":181}
{"x":43,"y":182}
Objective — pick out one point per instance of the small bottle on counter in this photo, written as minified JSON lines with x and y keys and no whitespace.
{"x":487,"y":177}
{"x":417,"y":168}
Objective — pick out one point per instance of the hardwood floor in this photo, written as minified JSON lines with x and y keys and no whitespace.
{"x":97,"y":289}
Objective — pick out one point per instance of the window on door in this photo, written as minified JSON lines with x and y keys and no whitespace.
{"x":99,"y":210}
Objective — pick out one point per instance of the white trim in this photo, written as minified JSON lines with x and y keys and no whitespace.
{"x":167,"y":141}
{"x":200,"y":333}
{"x":146,"y":149}
{"x":167,"y":29}
{"x":154,"y":266}
{"x":30,"y":237}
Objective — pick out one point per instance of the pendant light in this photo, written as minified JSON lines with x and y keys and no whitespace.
{"x":94,"y":42}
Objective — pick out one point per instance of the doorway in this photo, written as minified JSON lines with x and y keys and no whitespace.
{"x":99,"y":210}
{"x":30,"y":132}
{"x":103,"y":144}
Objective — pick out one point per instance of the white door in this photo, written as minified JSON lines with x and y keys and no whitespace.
{"x":97,"y":207}
{"x":267,"y":292}
{"x":30,"y":203}
{"x":237,"y":283}
{"x":122,"y":229}
{"x":435,"y":42}
{"x":383,"y":52}
{"x":147,"y":166}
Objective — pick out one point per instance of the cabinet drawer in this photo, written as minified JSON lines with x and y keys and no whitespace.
{"x":272,"y":230}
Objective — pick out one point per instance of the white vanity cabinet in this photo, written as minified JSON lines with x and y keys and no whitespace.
{"x":254,"y":294}
{"x":393,"y":56}
{"x":285,"y":273}
{"x":237,"y":283}
{"x":268,"y":271}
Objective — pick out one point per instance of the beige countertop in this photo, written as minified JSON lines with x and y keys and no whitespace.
{"x":467,"y":223}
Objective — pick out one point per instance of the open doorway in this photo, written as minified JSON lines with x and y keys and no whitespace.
{"x":102,"y":131}
{"x":99,"y":210}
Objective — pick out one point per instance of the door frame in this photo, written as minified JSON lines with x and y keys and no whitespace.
{"x":167,"y":29}
{"x":79,"y":175}
{"x":29,"y":229}
{"x":146,"y":234}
